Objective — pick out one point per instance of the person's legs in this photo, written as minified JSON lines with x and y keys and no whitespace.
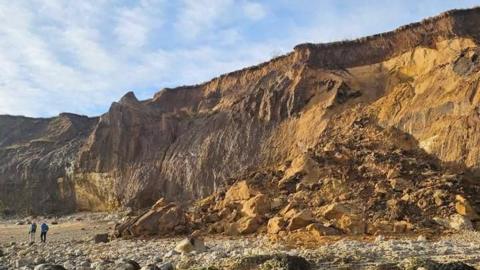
{"x":43,"y":236}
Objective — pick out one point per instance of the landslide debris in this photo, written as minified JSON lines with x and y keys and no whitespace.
{"x":360,"y":178}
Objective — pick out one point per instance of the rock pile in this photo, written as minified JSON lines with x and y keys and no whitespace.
{"x":359,"y":179}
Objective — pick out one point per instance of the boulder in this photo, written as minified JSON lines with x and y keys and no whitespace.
{"x":383,"y":226}
{"x":464,"y":208}
{"x":162,"y":219}
{"x":150,"y":267}
{"x":319,"y":230}
{"x":126,"y":264}
{"x":345,"y":217}
{"x":351,"y":224}
{"x":244,"y":225}
{"x":258,"y":205}
{"x":400,"y":184}
{"x":48,"y":266}
{"x":402,"y":226}
{"x":275,"y":225}
{"x":300,"y":220}
{"x":278,"y":202}
{"x":439,"y":197}
{"x":460,"y":223}
{"x":335,"y":211}
{"x":190,"y":244}
{"x":100,"y":238}
{"x":239,"y":191}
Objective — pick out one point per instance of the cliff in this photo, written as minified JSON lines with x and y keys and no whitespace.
{"x":186,"y":142}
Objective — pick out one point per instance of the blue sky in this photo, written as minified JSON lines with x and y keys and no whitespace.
{"x":79,"y":56}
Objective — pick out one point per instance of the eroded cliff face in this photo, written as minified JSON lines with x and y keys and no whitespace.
{"x":186,"y":142}
{"x":36,"y":160}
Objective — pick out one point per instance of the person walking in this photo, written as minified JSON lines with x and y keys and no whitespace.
{"x":43,"y":233}
{"x":32,"y":231}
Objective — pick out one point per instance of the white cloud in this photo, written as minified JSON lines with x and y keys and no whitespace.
{"x":254,"y":11}
{"x":79,"y":56}
{"x":131,"y":29}
{"x":197,"y":17}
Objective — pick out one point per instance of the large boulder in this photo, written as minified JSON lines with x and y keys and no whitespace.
{"x":275,"y":225}
{"x":345,"y":217}
{"x":300,"y":220}
{"x":239,"y":191}
{"x":258,"y":205}
{"x":162,"y":219}
{"x":245,"y":225}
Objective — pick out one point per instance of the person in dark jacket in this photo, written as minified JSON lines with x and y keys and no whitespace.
{"x":43,"y":233}
{"x":32,"y":231}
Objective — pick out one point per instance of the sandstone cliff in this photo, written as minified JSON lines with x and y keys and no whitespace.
{"x":186,"y":142}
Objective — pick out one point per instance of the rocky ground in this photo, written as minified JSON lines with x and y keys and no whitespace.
{"x":71,"y":245}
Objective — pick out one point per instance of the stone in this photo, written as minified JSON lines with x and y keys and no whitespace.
{"x":382,"y":187}
{"x":150,"y":267}
{"x":351,"y":224}
{"x":277,"y":202}
{"x":400,"y":184}
{"x":166,"y":266}
{"x":239,"y":191}
{"x":418,"y":263}
{"x":344,"y":217}
{"x":24,"y":261}
{"x":247,"y":225}
{"x":276,"y":261}
{"x":190,"y":244}
{"x":421,"y":238}
{"x":126,"y":264}
{"x":402,"y":226}
{"x":439,"y":197}
{"x":171,"y":253}
{"x":275,"y":225}
{"x":463,"y":207}
{"x":460,"y":223}
{"x":300,"y":220}
{"x":48,"y":266}
{"x":319,"y":230}
{"x":258,"y":205}
{"x":161,"y":219}
{"x":100,"y":238}
{"x":38,"y":260}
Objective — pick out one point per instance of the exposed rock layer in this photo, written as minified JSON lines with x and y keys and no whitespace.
{"x":186,"y":142}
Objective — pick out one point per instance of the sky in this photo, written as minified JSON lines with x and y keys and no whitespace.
{"x":80,"y":56}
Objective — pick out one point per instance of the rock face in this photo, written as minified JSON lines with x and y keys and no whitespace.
{"x":420,"y":82}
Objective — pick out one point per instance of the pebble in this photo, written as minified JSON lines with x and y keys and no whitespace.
{"x":83,"y":254}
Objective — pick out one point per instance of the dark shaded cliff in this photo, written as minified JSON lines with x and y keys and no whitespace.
{"x":186,"y":142}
